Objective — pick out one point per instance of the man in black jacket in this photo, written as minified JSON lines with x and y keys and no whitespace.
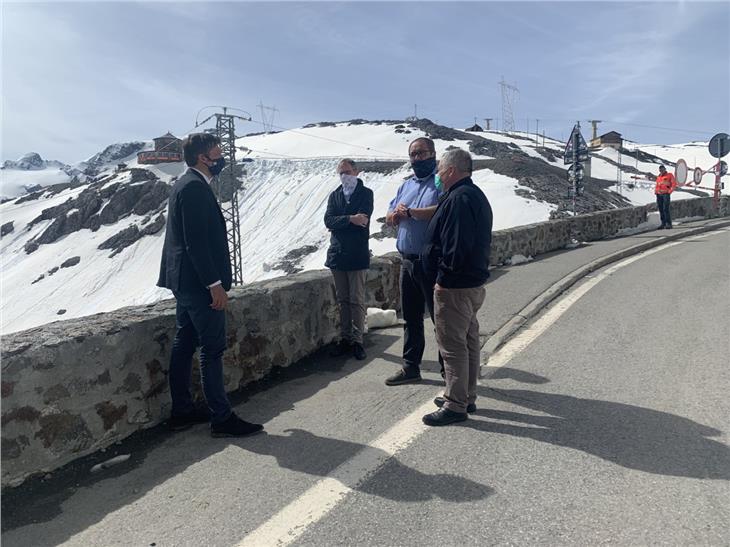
{"x":456,"y":257}
{"x":196,"y":267}
{"x":349,"y":208}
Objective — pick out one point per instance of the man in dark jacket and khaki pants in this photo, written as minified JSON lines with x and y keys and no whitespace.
{"x":349,"y":208}
{"x":456,"y":256}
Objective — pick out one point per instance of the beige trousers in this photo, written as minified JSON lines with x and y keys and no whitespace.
{"x":350,"y":290}
{"x":457,"y":334}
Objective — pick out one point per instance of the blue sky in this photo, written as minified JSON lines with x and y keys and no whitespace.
{"x":79,"y":76}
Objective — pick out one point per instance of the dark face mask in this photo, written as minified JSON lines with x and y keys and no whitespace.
{"x":423,"y":168}
{"x":218,"y":165}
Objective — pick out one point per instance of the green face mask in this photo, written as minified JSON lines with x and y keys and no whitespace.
{"x":438,"y":183}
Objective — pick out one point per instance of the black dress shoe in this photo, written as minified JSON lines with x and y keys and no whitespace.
{"x":470,"y":408}
{"x":661,"y":227}
{"x":402,"y":377}
{"x":668,"y":227}
{"x":358,"y":351}
{"x":234,"y":427}
{"x":184,"y":421}
{"x":343,"y":347}
{"x":444,"y":416}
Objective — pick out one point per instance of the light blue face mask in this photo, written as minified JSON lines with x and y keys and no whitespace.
{"x":438,"y":183}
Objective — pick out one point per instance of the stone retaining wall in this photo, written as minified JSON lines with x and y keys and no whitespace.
{"x":72,"y":387}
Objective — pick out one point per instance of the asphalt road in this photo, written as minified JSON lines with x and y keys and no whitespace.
{"x":611,"y":426}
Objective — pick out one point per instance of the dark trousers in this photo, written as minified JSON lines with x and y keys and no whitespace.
{"x":662,"y":203}
{"x":198,"y":325}
{"x":416,"y":297}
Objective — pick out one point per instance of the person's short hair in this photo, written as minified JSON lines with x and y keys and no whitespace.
{"x":196,"y":144}
{"x":458,"y":158}
{"x":348,"y":161}
{"x":662,"y":167}
{"x":429,"y":144}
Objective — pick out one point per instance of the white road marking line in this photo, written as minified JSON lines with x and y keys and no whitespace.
{"x":528,"y":335}
{"x":293,"y":520}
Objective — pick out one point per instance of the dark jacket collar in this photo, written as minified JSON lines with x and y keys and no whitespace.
{"x":462,"y":182}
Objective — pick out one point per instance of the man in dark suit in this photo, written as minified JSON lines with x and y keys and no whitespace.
{"x":196,"y":267}
{"x":348,"y":219}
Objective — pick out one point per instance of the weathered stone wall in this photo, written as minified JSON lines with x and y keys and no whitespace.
{"x":543,"y":237}
{"x":72,"y":387}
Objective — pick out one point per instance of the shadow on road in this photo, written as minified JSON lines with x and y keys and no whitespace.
{"x":630,"y":436}
{"x":39,"y":501}
{"x":305,"y":452}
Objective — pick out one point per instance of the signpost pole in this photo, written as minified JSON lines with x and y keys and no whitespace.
{"x":716,"y":196}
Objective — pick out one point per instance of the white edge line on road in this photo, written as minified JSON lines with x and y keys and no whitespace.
{"x":519,"y":342}
{"x":292,"y":520}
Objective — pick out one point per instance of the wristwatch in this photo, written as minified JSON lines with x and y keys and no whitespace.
{"x":408,"y":212}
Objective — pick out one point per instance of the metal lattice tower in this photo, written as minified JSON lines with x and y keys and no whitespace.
{"x":509,"y":99}
{"x":225,"y":130}
{"x":226,"y":185}
{"x":267,"y":116}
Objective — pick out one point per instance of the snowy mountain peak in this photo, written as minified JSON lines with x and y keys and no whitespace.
{"x":31,"y":161}
{"x":115,"y":153}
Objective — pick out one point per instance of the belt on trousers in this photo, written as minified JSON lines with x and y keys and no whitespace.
{"x":409,"y":256}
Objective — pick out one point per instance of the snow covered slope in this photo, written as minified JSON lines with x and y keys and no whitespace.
{"x":95,"y":245}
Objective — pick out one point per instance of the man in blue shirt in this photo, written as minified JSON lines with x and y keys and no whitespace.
{"x":411,"y":210}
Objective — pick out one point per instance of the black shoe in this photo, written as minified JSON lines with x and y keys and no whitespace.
{"x":470,"y":408}
{"x":184,"y":421}
{"x":444,"y":416}
{"x":343,"y":347}
{"x":358,"y":351}
{"x":403,"y":377}
{"x":661,"y":227}
{"x":234,"y":427}
{"x":668,"y":227}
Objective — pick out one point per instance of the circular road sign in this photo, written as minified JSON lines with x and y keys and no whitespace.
{"x":719,"y":145}
{"x":680,"y":172}
{"x":697,"y":175}
{"x":723,"y":168}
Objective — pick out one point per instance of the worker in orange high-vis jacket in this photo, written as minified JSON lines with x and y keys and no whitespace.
{"x":665,"y":185}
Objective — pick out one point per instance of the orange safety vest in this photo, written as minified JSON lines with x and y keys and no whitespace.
{"x":665,"y":184}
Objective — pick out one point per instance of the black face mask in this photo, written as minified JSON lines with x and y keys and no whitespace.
{"x":218,"y":165}
{"x":423,"y":168}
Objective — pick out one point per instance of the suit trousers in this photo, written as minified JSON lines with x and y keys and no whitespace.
{"x":416,"y":294}
{"x":198,"y":325}
{"x":350,"y":290}
{"x":457,"y":334}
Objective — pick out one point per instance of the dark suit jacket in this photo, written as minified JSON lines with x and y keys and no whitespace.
{"x":195,"y":253}
{"x":349,"y":246}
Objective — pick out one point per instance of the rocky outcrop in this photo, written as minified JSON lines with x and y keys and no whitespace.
{"x":143,"y":194}
{"x":6,"y":229}
{"x":120,"y":241}
{"x":71,"y":262}
{"x":291,"y":261}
